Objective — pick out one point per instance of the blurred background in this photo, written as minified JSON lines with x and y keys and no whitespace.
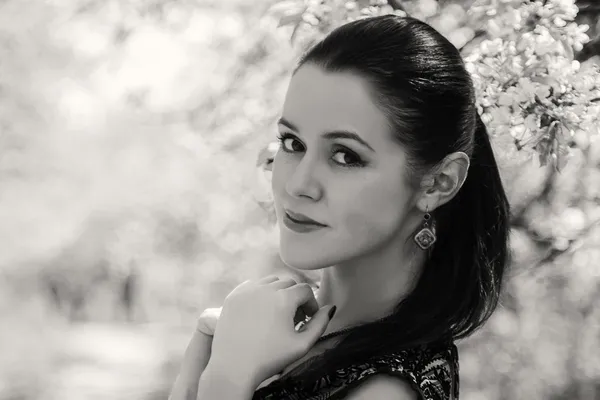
{"x":133,"y":196}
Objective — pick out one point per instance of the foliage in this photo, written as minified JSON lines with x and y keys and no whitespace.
{"x":528,"y":83}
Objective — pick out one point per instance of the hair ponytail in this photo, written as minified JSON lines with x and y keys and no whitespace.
{"x":480,"y":216}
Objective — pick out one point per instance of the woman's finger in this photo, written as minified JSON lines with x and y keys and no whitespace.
{"x":303,"y":297}
{"x":283,"y":283}
{"x":267,"y":279}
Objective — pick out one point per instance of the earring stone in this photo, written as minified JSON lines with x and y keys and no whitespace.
{"x":426,"y":236}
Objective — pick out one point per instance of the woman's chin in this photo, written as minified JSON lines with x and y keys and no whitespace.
{"x":302,"y":259}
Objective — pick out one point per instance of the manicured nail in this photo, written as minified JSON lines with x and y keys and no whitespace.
{"x":332,"y":312}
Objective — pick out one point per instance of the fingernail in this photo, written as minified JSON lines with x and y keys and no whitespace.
{"x":332,"y":312}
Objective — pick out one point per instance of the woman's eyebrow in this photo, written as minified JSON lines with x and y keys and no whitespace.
{"x":337,"y":134}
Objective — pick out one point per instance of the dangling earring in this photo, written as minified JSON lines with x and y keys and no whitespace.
{"x":426,"y":236}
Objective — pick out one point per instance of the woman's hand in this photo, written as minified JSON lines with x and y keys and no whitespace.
{"x":207,"y":322}
{"x":256,"y":337}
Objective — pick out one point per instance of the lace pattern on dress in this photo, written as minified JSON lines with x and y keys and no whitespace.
{"x":431,"y":371}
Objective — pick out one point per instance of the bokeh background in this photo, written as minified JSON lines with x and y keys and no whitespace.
{"x":132,"y":196}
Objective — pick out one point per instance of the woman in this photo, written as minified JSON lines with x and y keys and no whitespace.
{"x":385,"y":181}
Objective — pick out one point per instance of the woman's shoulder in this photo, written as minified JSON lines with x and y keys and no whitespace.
{"x":431,"y":371}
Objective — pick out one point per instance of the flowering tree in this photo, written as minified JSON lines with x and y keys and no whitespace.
{"x":528,"y":84}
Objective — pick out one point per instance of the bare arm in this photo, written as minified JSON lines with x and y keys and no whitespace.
{"x":194,"y":362}
{"x":219,"y":383}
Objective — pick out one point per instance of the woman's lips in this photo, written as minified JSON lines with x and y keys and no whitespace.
{"x":300,"y":227}
{"x":302,"y":219}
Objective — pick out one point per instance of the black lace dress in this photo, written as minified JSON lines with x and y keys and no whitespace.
{"x":432,"y":371}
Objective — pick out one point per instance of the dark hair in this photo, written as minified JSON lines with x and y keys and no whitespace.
{"x":419,"y":80}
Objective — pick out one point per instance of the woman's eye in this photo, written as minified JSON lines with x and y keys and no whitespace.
{"x":289,"y":143}
{"x":345,"y":158}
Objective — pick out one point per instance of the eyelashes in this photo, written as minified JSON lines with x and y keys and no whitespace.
{"x":356,"y":162}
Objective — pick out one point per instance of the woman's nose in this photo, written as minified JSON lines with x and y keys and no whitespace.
{"x":304,"y":180}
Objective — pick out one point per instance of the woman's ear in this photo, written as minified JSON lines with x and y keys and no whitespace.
{"x":444,"y":182}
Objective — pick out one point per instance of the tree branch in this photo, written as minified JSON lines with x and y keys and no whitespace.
{"x":589,"y":9}
{"x":554,"y":253}
{"x":589,"y":50}
{"x":396,"y":5}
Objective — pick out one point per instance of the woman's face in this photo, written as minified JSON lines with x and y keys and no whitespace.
{"x":338,"y":165}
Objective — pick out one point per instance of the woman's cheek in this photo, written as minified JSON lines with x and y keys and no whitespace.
{"x":359,"y":224}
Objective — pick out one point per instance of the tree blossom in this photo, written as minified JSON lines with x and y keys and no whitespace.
{"x":527,"y":83}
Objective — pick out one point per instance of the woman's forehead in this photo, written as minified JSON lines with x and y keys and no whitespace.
{"x":316,"y":97}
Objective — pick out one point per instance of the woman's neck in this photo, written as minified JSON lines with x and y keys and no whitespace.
{"x":369,"y":289}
